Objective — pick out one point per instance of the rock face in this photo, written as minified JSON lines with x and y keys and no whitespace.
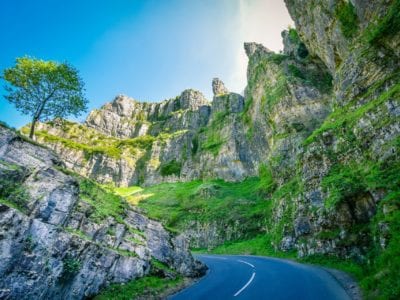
{"x":55,"y":244}
{"x":322,"y":117}
{"x":335,"y":196}
{"x":218,"y":87}
{"x":127,"y":118}
{"x":128,"y":143}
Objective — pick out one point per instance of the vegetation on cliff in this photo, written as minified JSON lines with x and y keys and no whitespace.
{"x":320,"y":123}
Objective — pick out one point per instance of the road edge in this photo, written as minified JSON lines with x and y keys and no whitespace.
{"x":348,"y":283}
{"x":188,"y":283}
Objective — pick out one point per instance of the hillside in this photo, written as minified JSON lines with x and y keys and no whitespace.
{"x":305,"y":163}
{"x":64,"y":237}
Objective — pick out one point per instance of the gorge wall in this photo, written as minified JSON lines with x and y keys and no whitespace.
{"x":63,"y":237}
{"x":129,"y":143}
{"x":323,"y":118}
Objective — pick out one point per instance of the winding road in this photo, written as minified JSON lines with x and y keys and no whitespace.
{"x":253,"y":277}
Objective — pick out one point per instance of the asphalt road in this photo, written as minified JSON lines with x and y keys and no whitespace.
{"x":253,"y":277}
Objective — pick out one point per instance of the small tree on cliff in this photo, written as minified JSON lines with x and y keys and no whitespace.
{"x":44,"y":89}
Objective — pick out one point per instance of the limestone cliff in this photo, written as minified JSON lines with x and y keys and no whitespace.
{"x":322,"y":118}
{"x":129,"y":143}
{"x":63,"y":237}
{"x":341,"y":163}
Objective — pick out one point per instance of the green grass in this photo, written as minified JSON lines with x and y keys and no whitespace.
{"x":12,"y":191}
{"x":295,"y":71}
{"x":213,"y":138}
{"x":126,"y":191}
{"x":104,"y":203}
{"x":89,"y":149}
{"x":148,"y":287}
{"x":142,"y":142}
{"x":213,"y":142}
{"x":350,"y":113}
{"x":346,"y":265}
{"x":277,"y":58}
{"x":276,"y":93}
{"x":91,"y":142}
{"x":346,"y":14}
{"x":294,"y":36}
{"x":267,"y":181}
{"x":245,"y":113}
{"x":386,"y":27}
{"x":383,"y":274}
{"x":318,"y":78}
{"x":175,"y":204}
{"x":343,"y":182}
{"x":259,"y":245}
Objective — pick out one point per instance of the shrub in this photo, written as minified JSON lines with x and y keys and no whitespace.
{"x":71,"y":266}
{"x":277,"y":58}
{"x":143,"y":142}
{"x":171,"y":168}
{"x":13,"y":192}
{"x":267,"y":183}
{"x":294,"y":36}
{"x":295,"y":71}
{"x":389,"y":25}
{"x":342,"y":182}
{"x":346,"y":14}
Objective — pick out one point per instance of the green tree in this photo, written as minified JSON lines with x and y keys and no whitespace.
{"x":44,"y":89}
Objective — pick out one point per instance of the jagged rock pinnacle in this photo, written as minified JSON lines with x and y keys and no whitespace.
{"x":251,"y":48}
{"x":218,"y":87}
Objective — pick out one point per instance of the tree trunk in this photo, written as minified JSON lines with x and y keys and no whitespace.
{"x":34,"y":120}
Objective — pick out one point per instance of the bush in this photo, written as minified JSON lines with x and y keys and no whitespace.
{"x":295,"y":71}
{"x":342,"y":182}
{"x":171,"y":168}
{"x":148,"y":287}
{"x":294,"y":36}
{"x":71,"y":266}
{"x":346,"y":14}
{"x":267,"y":183}
{"x":387,"y":26}
{"x":12,"y":192}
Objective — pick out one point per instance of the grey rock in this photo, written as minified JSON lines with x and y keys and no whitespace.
{"x":218,"y":87}
{"x":54,"y":250}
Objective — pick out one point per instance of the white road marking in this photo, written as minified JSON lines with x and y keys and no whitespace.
{"x":246,"y":285}
{"x":245,"y":262}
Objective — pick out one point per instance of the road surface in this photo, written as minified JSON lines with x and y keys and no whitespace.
{"x":253,"y":277}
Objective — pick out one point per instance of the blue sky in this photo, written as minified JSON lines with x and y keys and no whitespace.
{"x":147,"y":49}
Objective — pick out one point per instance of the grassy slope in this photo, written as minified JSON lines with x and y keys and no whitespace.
{"x":177,"y":204}
{"x":149,"y":287}
{"x":152,"y":286}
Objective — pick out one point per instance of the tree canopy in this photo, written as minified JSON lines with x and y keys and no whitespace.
{"x":44,"y":89}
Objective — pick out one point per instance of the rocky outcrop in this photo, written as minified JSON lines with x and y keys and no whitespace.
{"x":128,"y":143}
{"x":322,"y":117}
{"x":127,"y":118}
{"x":59,"y":241}
{"x":218,"y":87}
{"x":332,"y":178}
